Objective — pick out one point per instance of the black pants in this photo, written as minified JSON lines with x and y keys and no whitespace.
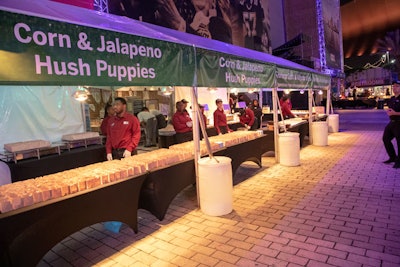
{"x":255,"y":125}
{"x":392,"y":130}
{"x":258,"y":122}
{"x":224,"y":129}
{"x":118,"y":153}
{"x":183,"y":137}
{"x":151,"y":132}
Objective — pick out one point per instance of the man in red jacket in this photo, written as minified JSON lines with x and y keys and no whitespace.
{"x":182,"y":124}
{"x":123,"y":132}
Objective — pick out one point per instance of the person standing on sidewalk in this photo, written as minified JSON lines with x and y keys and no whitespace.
{"x":392,"y":129}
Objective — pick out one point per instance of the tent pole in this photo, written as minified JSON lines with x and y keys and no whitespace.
{"x":260,"y":102}
{"x":85,"y":128}
{"x":310,"y":119}
{"x":275,"y":101}
{"x":196,"y":135}
{"x":328,"y":100}
{"x":195,"y":119}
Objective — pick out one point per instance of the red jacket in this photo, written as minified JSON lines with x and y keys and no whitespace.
{"x":123,"y":132}
{"x":219,"y":120}
{"x":247,"y":117}
{"x":179,"y":120}
{"x":286,"y":107}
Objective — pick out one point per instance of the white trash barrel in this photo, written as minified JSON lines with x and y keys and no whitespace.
{"x":289,"y":149}
{"x":320,"y":133}
{"x":215,"y":185}
{"x":333,"y":123}
{"x":5,"y":174}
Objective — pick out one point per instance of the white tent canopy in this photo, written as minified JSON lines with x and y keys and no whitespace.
{"x":134,"y":31}
{"x":49,"y":43}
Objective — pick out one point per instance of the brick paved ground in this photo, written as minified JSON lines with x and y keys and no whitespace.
{"x":340,"y":207}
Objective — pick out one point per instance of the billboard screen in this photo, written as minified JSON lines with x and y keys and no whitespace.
{"x":243,"y":23}
{"x":332,"y":33}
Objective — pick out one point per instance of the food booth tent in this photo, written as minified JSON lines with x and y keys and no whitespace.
{"x":47,"y":43}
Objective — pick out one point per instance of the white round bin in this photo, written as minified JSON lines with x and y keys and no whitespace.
{"x":289,"y":149}
{"x":215,"y":185}
{"x":5,"y":174}
{"x":320,"y":133}
{"x":333,"y":123}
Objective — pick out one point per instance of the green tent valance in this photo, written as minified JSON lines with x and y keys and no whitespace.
{"x":43,"y":51}
{"x":223,"y":70}
{"x":45,"y":43}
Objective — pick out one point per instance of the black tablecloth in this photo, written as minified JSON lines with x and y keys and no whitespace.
{"x":77,"y":157}
{"x":28,"y":233}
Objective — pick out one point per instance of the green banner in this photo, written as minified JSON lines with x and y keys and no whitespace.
{"x":34,"y":50}
{"x":321,"y":81}
{"x":223,"y":70}
{"x":293,"y":79}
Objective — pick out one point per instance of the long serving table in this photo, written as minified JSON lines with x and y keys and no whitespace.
{"x":249,"y":151}
{"x":77,"y":157}
{"x":161,"y":187}
{"x":27,"y":234}
{"x":167,"y":138}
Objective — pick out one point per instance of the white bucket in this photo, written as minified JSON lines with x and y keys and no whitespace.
{"x":5,"y":174}
{"x":215,"y":185}
{"x":289,"y":149}
{"x":333,"y":123}
{"x":320,"y":133}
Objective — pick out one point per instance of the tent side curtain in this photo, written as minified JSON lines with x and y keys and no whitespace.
{"x":44,"y":51}
{"x":38,"y":112}
{"x":224,"y":70}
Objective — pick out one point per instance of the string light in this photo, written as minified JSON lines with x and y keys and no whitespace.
{"x":234,"y":91}
{"x":167,"y":91}
{"x":252,"y":90}
{"x":81,"y":94}
{"x":212,"y":89}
